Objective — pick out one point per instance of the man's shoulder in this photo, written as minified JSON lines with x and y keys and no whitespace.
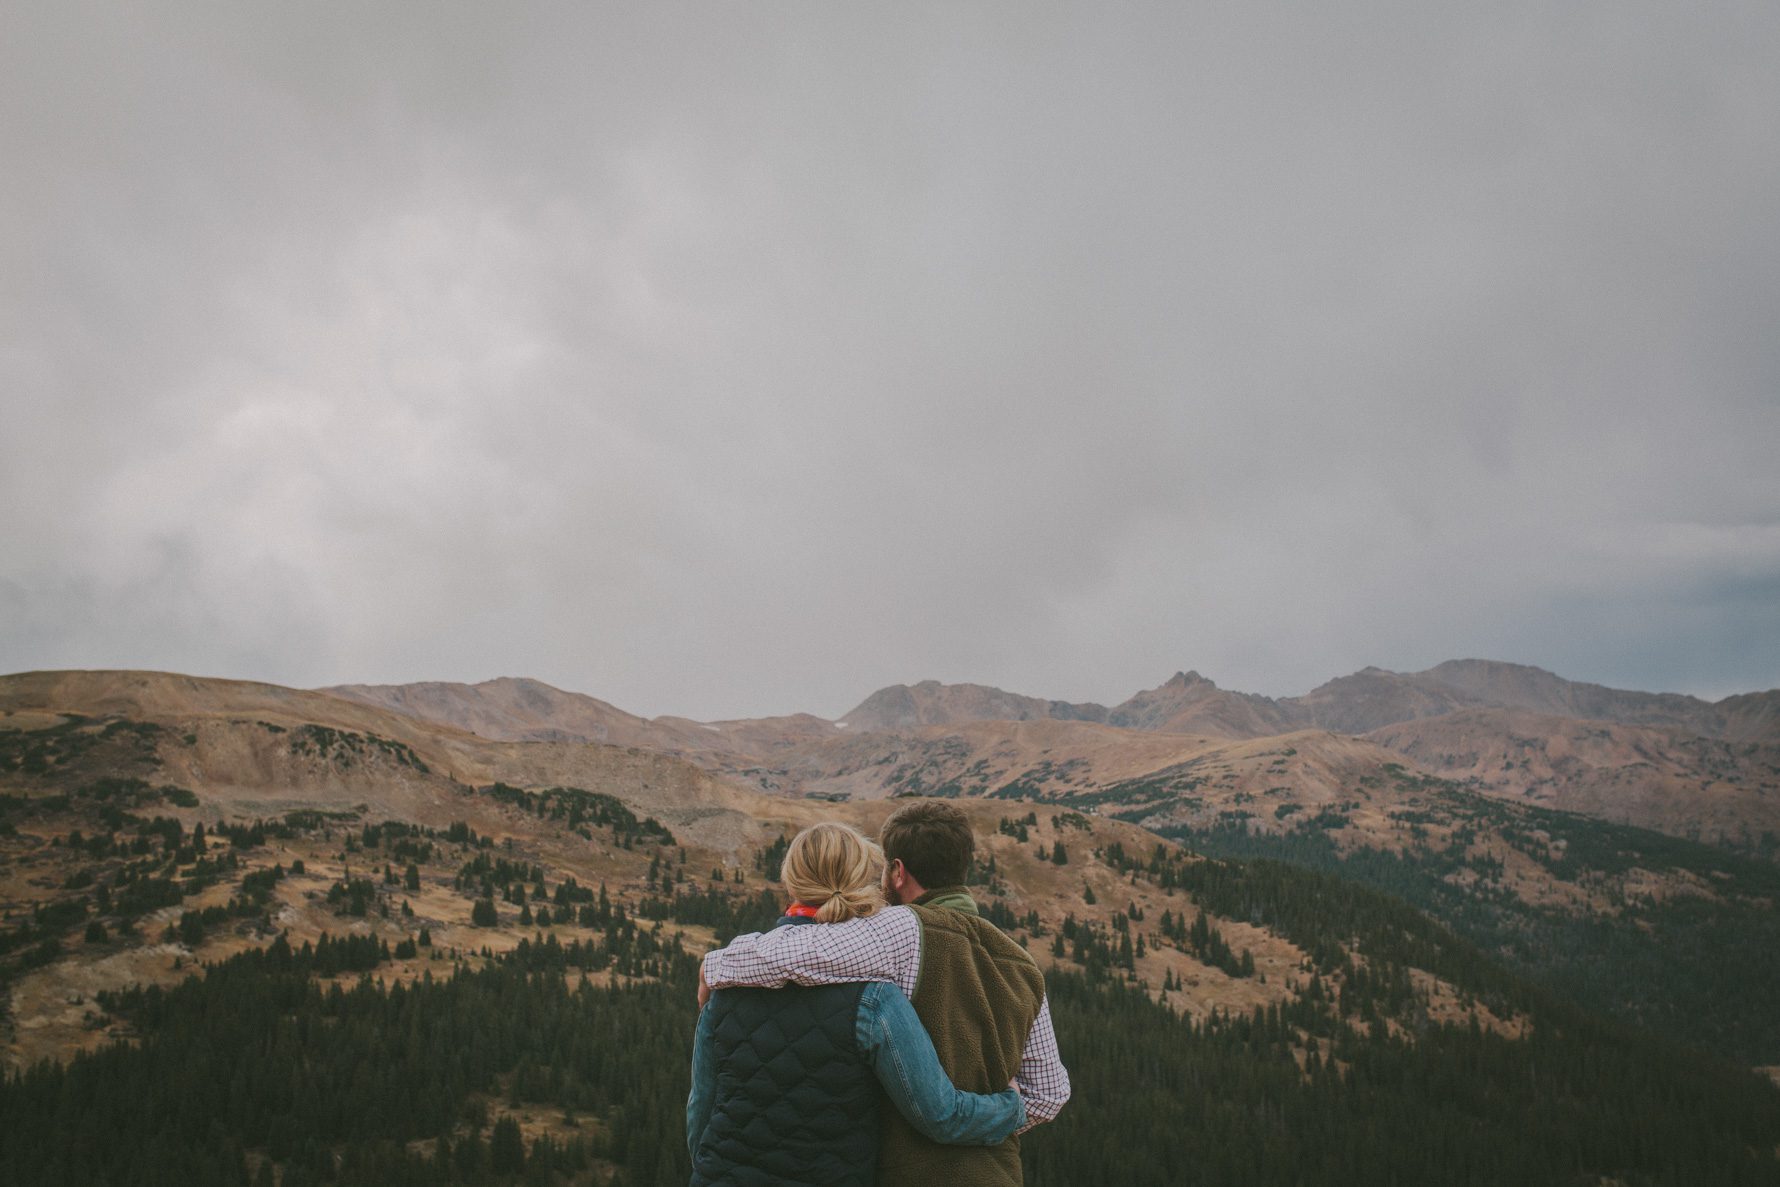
{"x":962,"y":953}
{"x":953,"y":919}
{"x":975,"y":930}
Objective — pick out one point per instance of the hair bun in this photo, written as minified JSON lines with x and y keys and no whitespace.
{"x":833,"y":867}
{"x":855,"y":903}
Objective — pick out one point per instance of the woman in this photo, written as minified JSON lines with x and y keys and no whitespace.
{"x":785,"y":1081}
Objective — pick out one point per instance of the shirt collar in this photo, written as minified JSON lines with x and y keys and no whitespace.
{"x":956,"y":898}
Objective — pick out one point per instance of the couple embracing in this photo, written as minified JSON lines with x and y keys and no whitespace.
{"x":914,"y":1041}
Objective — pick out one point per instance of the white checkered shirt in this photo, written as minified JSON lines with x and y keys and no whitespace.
{"x":881,"y":947}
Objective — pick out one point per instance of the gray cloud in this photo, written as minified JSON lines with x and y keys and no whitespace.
{"x":740,"y":359}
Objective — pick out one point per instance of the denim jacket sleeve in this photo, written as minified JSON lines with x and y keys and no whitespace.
{"x":704,"y":1081}
{"x":896,"y":1045}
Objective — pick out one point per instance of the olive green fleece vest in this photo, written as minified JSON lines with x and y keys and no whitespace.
{"x":977,"y":993}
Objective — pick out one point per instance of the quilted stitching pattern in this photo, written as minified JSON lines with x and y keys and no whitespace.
{"x":795,"y":1102}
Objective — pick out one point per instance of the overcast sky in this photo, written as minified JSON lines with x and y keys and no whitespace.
{"x":733,"y":359}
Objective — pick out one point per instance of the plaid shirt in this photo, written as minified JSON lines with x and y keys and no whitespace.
{"x":885,"y":946}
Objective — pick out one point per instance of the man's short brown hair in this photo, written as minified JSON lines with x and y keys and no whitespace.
{"x":933,"y":841}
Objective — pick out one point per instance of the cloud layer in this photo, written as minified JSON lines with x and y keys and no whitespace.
{"x":728,"y":360}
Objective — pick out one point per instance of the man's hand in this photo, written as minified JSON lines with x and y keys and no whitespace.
{"x":704,"y":986}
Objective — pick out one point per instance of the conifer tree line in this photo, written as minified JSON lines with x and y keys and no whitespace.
{"x":1159,"y":1099}
{"x":1662,"y":963}
{"x":333,"y":1084}
{"x":413,"y":1083}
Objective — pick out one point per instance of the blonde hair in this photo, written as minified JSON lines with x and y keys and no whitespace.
{"x":834,"y":868}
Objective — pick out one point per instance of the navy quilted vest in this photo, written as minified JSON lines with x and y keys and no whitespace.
{"x":795,"y":1104}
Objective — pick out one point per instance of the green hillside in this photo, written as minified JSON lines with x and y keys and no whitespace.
{"x":1699,"y":963}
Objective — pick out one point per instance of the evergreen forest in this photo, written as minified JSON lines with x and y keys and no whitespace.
{"x":262,"y":1069}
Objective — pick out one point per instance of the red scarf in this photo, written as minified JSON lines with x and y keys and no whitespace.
{"x":801,"y":911}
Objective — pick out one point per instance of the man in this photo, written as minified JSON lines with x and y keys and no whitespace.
{"x":978,"y":993}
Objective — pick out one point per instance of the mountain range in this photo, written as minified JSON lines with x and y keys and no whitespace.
{"x":1367,"y":700}
{"x":1679,"y":764}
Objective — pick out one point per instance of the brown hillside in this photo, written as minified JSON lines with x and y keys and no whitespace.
{"x":1665,"y":779}
{"x":169,"y":694}
{"x":979,"y":758}
{"x":904,"y":706}
{"x":1373,"y":697}
{"x":260,"y":749}
{"x":1751,"y":717}
{"x":508,"y":709}
{"x":1519,"y":686}
{"x":1188,"y":703}
{"x":523,"y":710}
